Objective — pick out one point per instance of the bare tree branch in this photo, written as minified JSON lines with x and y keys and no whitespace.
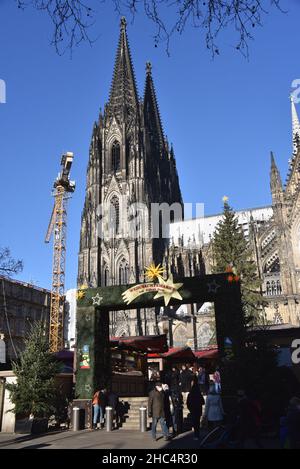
{"x":73,"y":18}
{"x":8,"y":265}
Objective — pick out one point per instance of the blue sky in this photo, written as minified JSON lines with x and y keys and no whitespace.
{"x":224,"y":116}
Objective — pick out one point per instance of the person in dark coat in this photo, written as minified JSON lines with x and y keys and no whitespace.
{"x":177,"y":416}
{"x":166,"y":377}
{"x":174,"y":379}
{"x":195,"y":402}
{"x":186,"y":377}
{"x":113,"y":401}
{"x":168,"y":407}
{"x":203,"y":380}
{"x":156,"y":410}
{"x":249,"y":420}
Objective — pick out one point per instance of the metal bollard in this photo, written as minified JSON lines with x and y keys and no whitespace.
{"x":143,"y":419}
{"x":76,"y":419}
{"x":109,"y":418}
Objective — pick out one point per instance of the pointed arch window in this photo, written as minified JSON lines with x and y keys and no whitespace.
{"x":180,"y":336}
{"x":114,"y":214}
{"x":105,"y":275}
{"x":123,"y":272}
{"x":115,"y":156}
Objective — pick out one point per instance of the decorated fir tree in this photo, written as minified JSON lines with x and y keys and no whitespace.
{"x":231,"y":252}
{"x":257,"y":361}
{"x":34,"y":394}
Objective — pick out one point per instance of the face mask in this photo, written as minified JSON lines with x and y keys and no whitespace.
{"x":158,"y":388}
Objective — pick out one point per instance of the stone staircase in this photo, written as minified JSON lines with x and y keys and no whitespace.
{"x":131,"y":416}
{"x":131,"y":413}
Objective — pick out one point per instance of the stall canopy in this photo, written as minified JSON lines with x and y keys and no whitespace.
{"x":185,"y":353}
{"x":150,"y":343}
{"x":179,"y":352}
{"x":213,"y":353}
{"x":65,"y":357}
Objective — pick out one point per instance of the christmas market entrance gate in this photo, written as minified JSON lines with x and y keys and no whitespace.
{"x":93,"y":363}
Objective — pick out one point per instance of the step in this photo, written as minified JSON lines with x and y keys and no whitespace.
{"x":135,"y":404}
{"x":136,"y":408}
{"x":133,"y":412}
{"x":140,"y":398}
{"x":132,"y":425}
{"x":130,"y":428}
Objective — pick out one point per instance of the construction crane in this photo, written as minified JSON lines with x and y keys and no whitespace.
{"x":62,"y":188}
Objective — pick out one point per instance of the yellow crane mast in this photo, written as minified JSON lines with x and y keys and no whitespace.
{"x":62,"y":188}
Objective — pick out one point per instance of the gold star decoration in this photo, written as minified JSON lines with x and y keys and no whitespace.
{"x":172,"y":293}
{"x":80,"y":292}
{"x":154,"y":272}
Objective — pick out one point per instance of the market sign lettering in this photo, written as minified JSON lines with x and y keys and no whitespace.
{"x":165,"y":288}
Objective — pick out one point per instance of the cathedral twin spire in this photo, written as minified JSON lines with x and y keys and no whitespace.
{"x":276,"y":183}
{"x":151,"y":106}
{"x":123,"y":93}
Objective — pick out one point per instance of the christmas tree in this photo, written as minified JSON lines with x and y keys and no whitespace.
{"x":231,"y":252}
{"x":34,"y":393}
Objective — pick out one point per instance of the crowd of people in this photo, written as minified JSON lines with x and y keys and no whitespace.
{"x":185,"y":388}
{"x":180,"y":388}
{"x":200,"y":393}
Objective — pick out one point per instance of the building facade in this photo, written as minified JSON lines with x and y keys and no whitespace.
{"x":70,"y":318}
{"x":132,"y":165}
{"x":273,"y":232}
{"x":20,"y":305}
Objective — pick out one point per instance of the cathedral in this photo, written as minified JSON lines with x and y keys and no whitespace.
{"x":131,"y":164}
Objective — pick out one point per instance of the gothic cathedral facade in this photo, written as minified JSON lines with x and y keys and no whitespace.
{"x":130,"y":165}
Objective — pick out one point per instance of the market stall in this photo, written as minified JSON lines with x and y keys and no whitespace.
{"x":129,"y":362}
